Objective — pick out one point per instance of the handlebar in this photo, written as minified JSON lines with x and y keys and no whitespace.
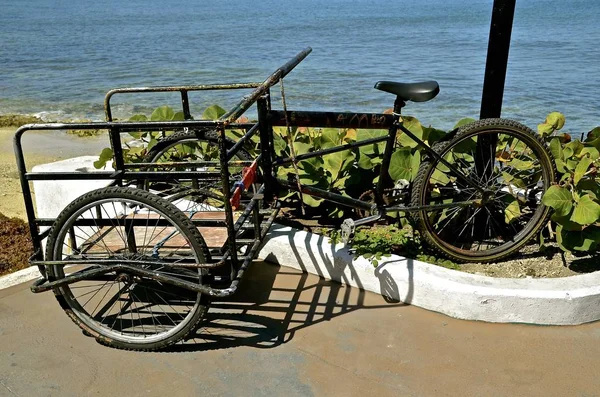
{"x":277,"y":75}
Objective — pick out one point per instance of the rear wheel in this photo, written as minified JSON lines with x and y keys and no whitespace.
{"x":513,"y":167}
{"x":192,"y":145}
{"x":120,"y":308}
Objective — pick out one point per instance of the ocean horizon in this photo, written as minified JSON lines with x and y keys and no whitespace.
{"x":59,"y":58}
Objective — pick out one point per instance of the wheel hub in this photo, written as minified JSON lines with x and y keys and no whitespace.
{"x":124,"y":278}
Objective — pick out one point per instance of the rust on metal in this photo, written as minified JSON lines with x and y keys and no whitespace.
{"x":332,"y":119}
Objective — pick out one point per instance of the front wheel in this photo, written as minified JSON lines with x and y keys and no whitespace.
{"x":513,"y":167}
{"x":120,"y":308}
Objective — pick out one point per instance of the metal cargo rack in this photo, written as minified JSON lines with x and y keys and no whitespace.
{"x":233,"y":230}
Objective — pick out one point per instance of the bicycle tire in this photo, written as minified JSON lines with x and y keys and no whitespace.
{"x":424,"y":189}
{"x":61,"y":242}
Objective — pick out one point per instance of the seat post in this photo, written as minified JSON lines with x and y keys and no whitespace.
{"x":385,"y":180}
{"x":398,"y":105}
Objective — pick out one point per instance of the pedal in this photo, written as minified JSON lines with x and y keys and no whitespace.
{"x":401,"y":184}
{"x":348,"y":228}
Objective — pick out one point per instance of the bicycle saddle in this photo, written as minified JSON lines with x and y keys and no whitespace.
{"x":416,"y":92}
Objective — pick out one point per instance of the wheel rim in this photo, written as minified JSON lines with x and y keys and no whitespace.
{"x":119,"y":305}
{"x":508,"y":211}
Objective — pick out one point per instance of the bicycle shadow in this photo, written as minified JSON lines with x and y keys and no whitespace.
{"x":274,"y":303}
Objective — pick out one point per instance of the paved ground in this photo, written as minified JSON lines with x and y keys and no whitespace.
{"x":292,"y":334}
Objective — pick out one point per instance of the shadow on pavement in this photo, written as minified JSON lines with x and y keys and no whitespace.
{"x":272,"y":304}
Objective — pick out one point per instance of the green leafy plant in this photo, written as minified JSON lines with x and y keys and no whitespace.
{"x":136,"y":148}
{"x":377,"y":242}
{"x":351,"y":172}
{"x":576,"y":197}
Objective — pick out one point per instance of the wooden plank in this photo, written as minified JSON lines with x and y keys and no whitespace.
{"x":115,"y":238}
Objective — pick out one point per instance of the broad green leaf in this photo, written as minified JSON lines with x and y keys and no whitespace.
{"x":349,"y":135}
{"x":587,"y":211}
{"x":414,"y":126}
{"x":137,"y":150}
{"x":376,"y":160}
{"x":340,"y":183}
{"x":375,"y":148}
{"x":163,"y":113}
{"x":590,"y":151}
{"x":556,"y":148}
{"x":513,"y":180}
{"x":468,"y":145}
{"x":581,"y":169}
{"x":302,"y":148}
{"x":338,"y":162}
{"x":312,"y":166}
{"x":556,"y":120}
{"x":463,"y":122}
{"x":572,"y":164}
{"x":585,"y":240}
{"x":330,"y":137}
{"x":282,"y":172}
{"x":279,"y":144}
{"x":439,"y":178}
{"x":513,"y":210}
{"x":213,"y":112}
{"x":432,"y":135}
{"x":401,"y":164}
{"x":520,"y":165}
{"x":566,"y":222}
{"x":364,"y":162}
{"x":307,"y":179}
{"x":589,"y":186}
{"x":138,"y":117}
{"x":105,"y":156}
{"x":179,"y":116}
{"x":152,"y":143}
{"x":572,"y":148}
{"x":561,"y":166}
{"x":415,"y":162}
{"x":559,"y":198}
{"x":233,"y":134}
{"x":311,"y":201}
{"x":593,"y":135}
{"x":545,"y":129}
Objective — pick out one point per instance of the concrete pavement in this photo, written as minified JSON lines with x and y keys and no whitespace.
{"x":292,"y":334}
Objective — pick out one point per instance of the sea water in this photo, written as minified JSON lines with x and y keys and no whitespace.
{"x":59,"y":57}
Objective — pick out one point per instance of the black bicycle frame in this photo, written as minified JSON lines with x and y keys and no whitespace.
{"x":391,"y":122}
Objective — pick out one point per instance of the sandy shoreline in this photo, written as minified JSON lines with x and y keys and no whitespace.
{"x":39,"y":148}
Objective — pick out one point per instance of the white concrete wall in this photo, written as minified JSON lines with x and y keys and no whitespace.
{"x":51,"y":197}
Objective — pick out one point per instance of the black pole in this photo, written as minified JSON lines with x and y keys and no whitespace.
{"x":503,"y":13}
{"x":497,"y":58}
{"x":495,"y":75}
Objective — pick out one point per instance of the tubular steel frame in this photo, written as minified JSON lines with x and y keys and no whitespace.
{"x":267,"y":159}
